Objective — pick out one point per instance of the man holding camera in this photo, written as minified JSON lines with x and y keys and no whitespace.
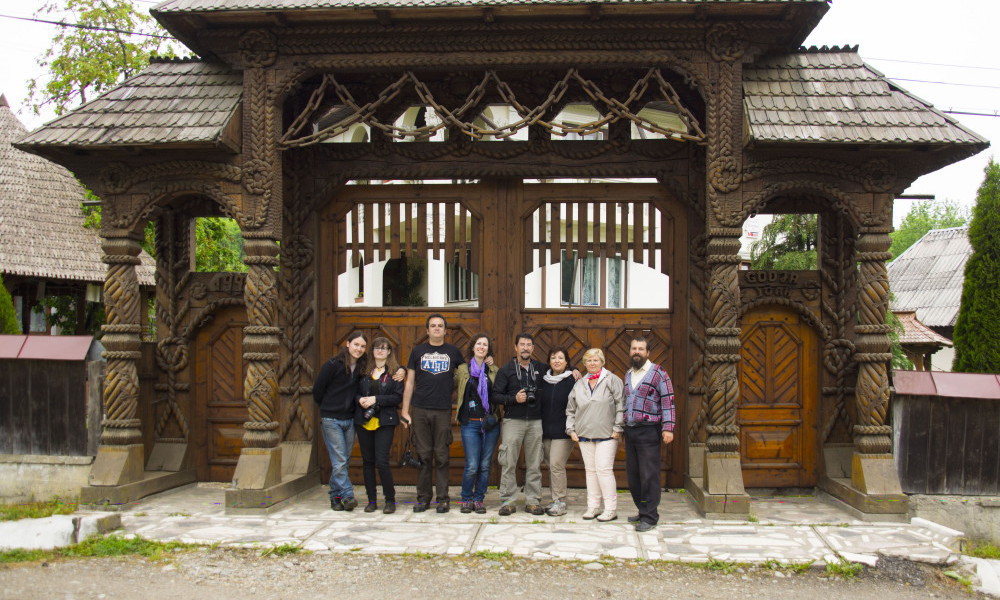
{"x":516,"y":387}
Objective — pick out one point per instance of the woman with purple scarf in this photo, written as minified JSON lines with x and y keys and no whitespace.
{"x":478,"y":415}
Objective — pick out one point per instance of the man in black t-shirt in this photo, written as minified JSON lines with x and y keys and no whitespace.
{"x":430,"y":377}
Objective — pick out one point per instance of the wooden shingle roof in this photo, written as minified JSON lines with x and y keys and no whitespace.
{"x":927,"y":278}
{"x":41,"y":226}
{"x":833,"y":97}
{"x":916,"y":333}
{"x":169,"y":103}
{"x":180,"y":6}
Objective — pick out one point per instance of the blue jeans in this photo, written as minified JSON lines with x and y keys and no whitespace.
{"x":478,"y":458}
{"x":339,"y":437}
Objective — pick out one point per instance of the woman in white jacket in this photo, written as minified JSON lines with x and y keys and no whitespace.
{"x":594,"y":420}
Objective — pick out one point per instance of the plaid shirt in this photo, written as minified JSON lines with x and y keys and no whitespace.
{"x":651,"y":401}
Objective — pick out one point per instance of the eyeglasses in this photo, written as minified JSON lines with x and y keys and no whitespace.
{"x":383,"y":348}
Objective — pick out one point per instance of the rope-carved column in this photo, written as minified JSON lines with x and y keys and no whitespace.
{"x":259,"y":217}
{"x":873,"y":470}
{"x":722,"y":472}
{"x":120,"y":456}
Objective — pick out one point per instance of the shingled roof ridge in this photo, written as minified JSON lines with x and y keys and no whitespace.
{"x":3,"y":101}
{"x":158,"y":60}
{"x":827,"y":49}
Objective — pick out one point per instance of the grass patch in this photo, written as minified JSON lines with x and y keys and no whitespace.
{"x":722,"y":566}
{"x":282,"y":550}
{"x":36,"y":510}
{"x":113,"y":545}
{"x":491,"y":555}
{"x":964,"y":581}
{"x":19,"y":556}
{"x":776,"y":565}
{"x":418,"y":554}
{"x":753,"y":518}
{"x":844,"y":569}
{"x":981,"y":549}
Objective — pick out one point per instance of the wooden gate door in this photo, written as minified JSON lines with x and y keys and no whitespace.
{"x":779,"y":392}
{"x":219,"y":410}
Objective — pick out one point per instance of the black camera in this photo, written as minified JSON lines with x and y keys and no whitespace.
{"x":410,"y":460}
{"x":369,"y":412}
{"x":529,"y":391}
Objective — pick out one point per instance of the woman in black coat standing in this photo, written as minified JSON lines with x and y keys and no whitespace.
{"x":375,"y":420}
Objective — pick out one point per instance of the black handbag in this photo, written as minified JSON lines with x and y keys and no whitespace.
{"x":410,"y":458}
{"x":490,"y":421}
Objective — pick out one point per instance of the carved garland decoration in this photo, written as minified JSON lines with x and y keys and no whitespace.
{"x":121,"y":341}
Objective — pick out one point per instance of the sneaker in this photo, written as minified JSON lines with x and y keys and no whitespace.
{"x":534,"y":509}
{"x":389,"y":508}
{"x":336,"y":504}
{"x":591,"y":513}
{"x":556,"y":509}
{"x":371,"y":507}
{"x":350,"y":504}
{"x":633,"y":519}
{"x":421,"y":506}
{"x":479,"y":507}
{"x":608,"y":515}
{"x":643,"y":526}
{"x":466,"y":507}
{"x":443,"y":506}
{"x":506,"y":510}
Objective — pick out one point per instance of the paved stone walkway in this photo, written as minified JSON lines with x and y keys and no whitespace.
{"x":790,"y":529}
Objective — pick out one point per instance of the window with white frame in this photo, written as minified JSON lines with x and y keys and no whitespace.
{"x":463,"y":284}
{"x":591,"y":280}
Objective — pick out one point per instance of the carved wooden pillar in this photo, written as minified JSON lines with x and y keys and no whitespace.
{"x":120,"y":457}
{"x":873,"y":470}
{"x":722,"y":471}
{"x":260,"y":217}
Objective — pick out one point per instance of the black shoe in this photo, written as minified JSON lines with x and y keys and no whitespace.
{"x":466,"y":507}
{"x":507,"y":509}
{"x":643,"y":526}
{"x":350,"y":504}
{"x":371,"y":507}
{"x":443,"y":506}
{"x":336,"y":504}
{"x":421,"y":506}
{"x":389,"y":508}
{"x":633,"y":519}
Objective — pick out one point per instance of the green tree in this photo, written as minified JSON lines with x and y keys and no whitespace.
{"x":977,"y":331}
{"x":789,"y":242}
{"x":218,"y":245}
{"x":8,"y":316}
{"x":923,"y":217}
{"x":85,"y":61}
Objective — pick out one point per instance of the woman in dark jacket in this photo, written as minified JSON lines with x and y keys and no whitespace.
{"x":554,"y":395}
{"x":477,"y":414}
{"x":375,"y":420}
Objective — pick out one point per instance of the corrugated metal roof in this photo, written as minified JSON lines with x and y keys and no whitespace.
{"x":176,"y":102}
{"x":41,"y":226}
{"x":180,"y":6}
{"x":818,"y":96}
{"x":927,"y":278}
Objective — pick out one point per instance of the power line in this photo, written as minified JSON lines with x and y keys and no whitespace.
{"x":90,"y":27}
{"x":975,"y":85}
{"x":933,"y":64}
{"x":973,"y":114}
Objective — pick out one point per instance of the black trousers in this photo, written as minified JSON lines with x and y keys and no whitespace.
{"x":375,"y":455}
{"x":432,"y":439}
{"x":642,"y":466}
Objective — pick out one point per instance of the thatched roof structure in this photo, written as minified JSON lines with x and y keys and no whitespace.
{"x":40,"y":220}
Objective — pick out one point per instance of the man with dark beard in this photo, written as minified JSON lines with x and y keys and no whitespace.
{"x":649,"y":420}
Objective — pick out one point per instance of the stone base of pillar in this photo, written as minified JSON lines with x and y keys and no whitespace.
{"x":258,"y":468}
{"x":719,"y":493}
{"x":298,"y":474}
{"x":873,"y":487}
{"x":117,"y":465}
{"x":875,"y":474}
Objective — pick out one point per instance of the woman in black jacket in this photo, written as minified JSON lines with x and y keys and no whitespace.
{"x":375,"y":420}
{"x":554,"y":395}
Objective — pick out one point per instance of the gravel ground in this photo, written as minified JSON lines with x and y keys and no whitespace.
{"x":210,"y":574}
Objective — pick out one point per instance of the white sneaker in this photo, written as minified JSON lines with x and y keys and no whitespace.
{"x":591,"y":513}
{"x":608,"y":515}
{"x":556,"y":509}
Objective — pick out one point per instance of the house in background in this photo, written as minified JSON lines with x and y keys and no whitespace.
{"x":46,"y":251}
{"x":927,"y":279}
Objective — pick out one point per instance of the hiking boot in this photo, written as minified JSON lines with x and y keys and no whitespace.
{"x":421,"y":506}
{"x":336,"y":504}
{"x":556,"y":509}
{"x":466,"y":508}
{"x":350,"y":504}
{"x":643,"y":526}
{"x":371,"y":507}
{"x":534,"y":509}
{"x":389,"y":508}
{"x":479,"y":507}
{"x":506,"y":510}
{"x":633,"y":519}
{"x":443,"y":506}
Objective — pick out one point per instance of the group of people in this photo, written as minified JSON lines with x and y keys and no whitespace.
{"x":541,"y":409}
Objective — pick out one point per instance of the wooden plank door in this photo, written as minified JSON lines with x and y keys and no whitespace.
{"x":220,"y":411}
{"x":778,"y":397}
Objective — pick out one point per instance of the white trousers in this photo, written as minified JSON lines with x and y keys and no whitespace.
{"x":599,"y":460}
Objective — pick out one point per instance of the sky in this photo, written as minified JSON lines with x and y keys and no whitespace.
{"x":953,"y":44}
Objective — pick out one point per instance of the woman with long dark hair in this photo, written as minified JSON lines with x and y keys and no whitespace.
{"x":478,"y":415}
{"x":375,"y":420}
{"x":334,"y":391}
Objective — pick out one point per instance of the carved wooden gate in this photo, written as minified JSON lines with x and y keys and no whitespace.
{"x":779,"y":393}
{"x":219,"y":408}
{"x":504,"y":232}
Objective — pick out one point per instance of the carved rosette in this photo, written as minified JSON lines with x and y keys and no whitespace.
{"x":871,"y":434}
{"x":722,"y":343}
{"x":121,"y":342}
{"x":260,"y":344}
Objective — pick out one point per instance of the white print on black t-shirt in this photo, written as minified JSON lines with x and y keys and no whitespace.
{"x":435,"y":363}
